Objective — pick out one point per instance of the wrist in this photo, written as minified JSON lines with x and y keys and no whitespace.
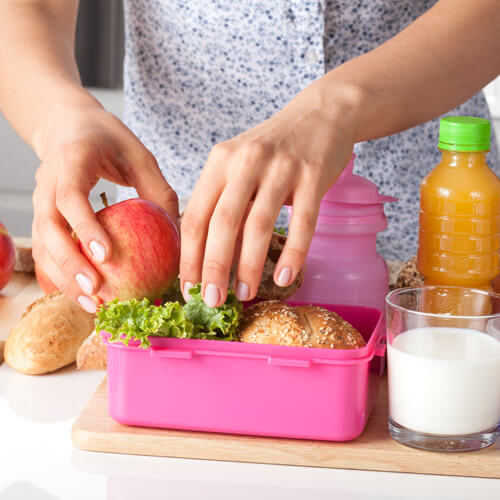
{"x":345,"y":102}
{"x":342,"y":99}
{"x":70,"y":101}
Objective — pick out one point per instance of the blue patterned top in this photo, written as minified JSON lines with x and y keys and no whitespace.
{"x":198,"y":72}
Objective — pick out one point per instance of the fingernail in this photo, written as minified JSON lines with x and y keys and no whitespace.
{"x":242,"y":291}
{"x":284,"y":277}
{"x":85,"y":283}
{"x":87,"y":303}
{"x":187,"y":286}
{"x":212,"y":295}
{"x":98,"y":250}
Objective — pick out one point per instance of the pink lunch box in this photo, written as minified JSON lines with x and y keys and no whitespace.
{"x":255,"y":389}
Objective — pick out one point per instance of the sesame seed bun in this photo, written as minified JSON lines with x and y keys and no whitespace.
{"x":274,"y":322}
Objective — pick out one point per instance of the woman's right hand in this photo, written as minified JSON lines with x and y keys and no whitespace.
{"x":80,"y":146}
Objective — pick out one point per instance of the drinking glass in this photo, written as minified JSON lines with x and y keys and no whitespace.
{"x":443,"y":348}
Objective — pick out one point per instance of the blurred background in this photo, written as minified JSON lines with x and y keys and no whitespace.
{"x":99,"y":52}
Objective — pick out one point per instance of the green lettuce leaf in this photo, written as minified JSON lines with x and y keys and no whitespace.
{"x":214,"y":322}
{"x":139,"y":319}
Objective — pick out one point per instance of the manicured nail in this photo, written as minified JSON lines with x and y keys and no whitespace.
{"x":98,"y":250}
{"x":212,"y":295}
{"x":242,"y":291}
{"x":85,"y":283}
{"x":87,"y":303}
{"x":284,"y":277}
{"x":187,"y":286}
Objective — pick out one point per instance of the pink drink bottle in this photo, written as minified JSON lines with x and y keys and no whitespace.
{"x":342,"y":266}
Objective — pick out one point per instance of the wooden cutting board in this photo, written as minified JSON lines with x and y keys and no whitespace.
{"x":21,"y":291}
{"x":94,"y":430}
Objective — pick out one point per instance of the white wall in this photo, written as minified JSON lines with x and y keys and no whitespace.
{"x":18,"y":164}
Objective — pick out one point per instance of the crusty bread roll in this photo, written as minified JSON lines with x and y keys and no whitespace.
{"x":394,"y":267}
{"x":92,"y":354}
{"x":409,"y":275}
{"x":328,"y":329}
{"x":274,"y":322}
{"x":48,"y":335}
{"x":24,"y":257}
{"x":267,"y":288}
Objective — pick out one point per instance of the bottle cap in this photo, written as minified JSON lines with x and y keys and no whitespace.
{"x":464,"y":133}
{"x":354,"y":189}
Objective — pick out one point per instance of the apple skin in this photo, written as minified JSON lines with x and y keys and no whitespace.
{"x":44,"y":281}
{"x":7,"y":256}
{"x":145,"y":253}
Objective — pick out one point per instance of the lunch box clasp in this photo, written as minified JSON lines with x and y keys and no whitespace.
{"x":171,"y":353}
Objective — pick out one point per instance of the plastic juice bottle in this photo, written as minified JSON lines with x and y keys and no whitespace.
{"x":459,"y":238}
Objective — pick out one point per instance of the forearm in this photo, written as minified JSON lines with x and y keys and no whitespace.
{"x":38,"y":73}
{"x":436,"y":63}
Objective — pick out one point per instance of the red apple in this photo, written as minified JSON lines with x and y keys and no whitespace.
{"x":144,"y":261}
{"x":44,"y":281}
{"x":7,"y":256}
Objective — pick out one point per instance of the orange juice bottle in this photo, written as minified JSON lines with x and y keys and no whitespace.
{"x":459,"y":238}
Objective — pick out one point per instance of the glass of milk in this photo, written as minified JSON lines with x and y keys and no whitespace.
{"x":443,"y":346}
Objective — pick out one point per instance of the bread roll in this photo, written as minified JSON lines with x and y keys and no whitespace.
{"x":394,"y":267}
{"x":24,"y":257}
{"x":92,"y":354}
{"x":274,"y":322}
{"x":48,"y":335}
{"x":409,"y":275}
{"x":328,"y":329}
{"x":267,"y":288}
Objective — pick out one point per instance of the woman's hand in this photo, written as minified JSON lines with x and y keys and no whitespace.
{"x":80,"y":146}
{"x":293,"y":158}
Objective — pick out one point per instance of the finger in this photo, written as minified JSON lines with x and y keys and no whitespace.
{"x":300,"y":233}
{"x":64,"y":251}
{"x":146,"y":177}
{"x":195,"y":221}
{"x":50,"y":228}
{"x":67,"y":286}
{"x":236,"y":254}
{"x":257,"y":234}
{"x":220,"y":244}
{"x":75,"y":178}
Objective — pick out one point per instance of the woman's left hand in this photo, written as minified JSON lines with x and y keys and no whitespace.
{"x":291,"y":159}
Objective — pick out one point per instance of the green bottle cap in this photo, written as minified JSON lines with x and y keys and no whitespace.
{"x":464,"y":133}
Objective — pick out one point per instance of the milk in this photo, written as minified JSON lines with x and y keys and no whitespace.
{"x":444,"y":380}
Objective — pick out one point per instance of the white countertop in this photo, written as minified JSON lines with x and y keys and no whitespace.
{"x":38,"y":461}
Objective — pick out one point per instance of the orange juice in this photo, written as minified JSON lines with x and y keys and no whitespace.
{"x":459,"y":237}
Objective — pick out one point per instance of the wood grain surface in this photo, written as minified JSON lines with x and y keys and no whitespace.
{"x":374,"y":450}
{"x":21,"y":291}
